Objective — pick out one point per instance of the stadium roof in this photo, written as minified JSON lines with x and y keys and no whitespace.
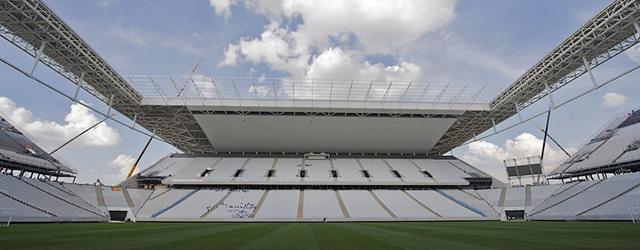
{"x":31,"y":25}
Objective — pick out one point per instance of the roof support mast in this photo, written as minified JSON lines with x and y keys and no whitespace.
{"x":133,"y":168}
{"x":82,"y":133}
{"x":38,"y":56}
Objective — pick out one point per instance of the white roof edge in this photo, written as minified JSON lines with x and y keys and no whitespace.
{"x":366,"y":105}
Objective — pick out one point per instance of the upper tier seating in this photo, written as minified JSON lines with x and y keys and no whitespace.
{"x":205,"y":170}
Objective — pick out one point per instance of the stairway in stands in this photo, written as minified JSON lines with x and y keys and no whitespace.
{"x":343,"y":208}
{"x":527,"y":196}
{"x":503,"y":196}
{"x":127,"y":197}
{"x":386,"y":209}
{"x":255,"y":211}
{"x":301,"y":204}
{"x":100,"y":196}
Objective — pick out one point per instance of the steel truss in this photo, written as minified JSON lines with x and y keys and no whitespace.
{"x":31,"y":25}
{"x":606,"y":35}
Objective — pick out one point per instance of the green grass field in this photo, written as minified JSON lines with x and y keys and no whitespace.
{"x":395,"y":235}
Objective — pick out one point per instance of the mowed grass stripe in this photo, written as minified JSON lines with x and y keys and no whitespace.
{"x":456,"y":235}
{"x":121,"y":236}
{"x":407,"y":238}
{"x":284,"y":235}
{"x":384,"y":235}
{"x":550,"y":235}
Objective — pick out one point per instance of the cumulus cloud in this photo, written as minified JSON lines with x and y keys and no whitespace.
{"x":275,"y":47}
{"x":489,"y":157}
{"x":260,"y":91}
{"x":335,"y":63}
{"x":612,"y":99}
{"x":305,"y":38}
{"x":222,"y":7}
{"x":122,"y":164}
{"x":230,"y":56}
{"x":378,"y":25}
{"x":52,"y":134}
{"x":634,"y":53}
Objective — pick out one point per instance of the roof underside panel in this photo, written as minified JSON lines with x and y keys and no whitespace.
{"x":334,"y":134}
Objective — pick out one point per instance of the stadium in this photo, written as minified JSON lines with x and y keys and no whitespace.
{"x":306,"y":163}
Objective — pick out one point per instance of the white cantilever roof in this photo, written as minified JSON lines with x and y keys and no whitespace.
{"x":30,"y":23}
{"x":310,"y":93}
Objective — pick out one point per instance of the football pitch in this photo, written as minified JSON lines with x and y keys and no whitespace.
{"x":384,"y":235}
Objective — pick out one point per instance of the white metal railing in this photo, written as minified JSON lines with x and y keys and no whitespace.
{"x":632,"y":212}
{"x":227,"y":88}
{"x":600,"y":163}
{"x":10,"y":214}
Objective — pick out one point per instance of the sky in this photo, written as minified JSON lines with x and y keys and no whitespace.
{"x":443,"y":41}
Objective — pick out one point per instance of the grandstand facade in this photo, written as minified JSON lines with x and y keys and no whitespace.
{"x":614,"y":149}
{"x":317,"y":150}
{"x":20,"y":154}
{"x":32,"y":200}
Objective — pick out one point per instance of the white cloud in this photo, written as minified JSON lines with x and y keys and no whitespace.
{"x":489,"y":157}
{"x":260,"y":91}
{"x":122,"y":164}
{"x":204,"y":84}
{"x":275,"y":47}
{"x":52,"y":134}
{"x":612,"y":99}
{"x":304,"y":38}
{"x":223,"y":7}
{"x":335,"y":63}
{"x":340,"y":65}
{"x":634,"y":53}
{"x":230,"y":56}
{"x":271,"y":8}
{"x":380,"y":26}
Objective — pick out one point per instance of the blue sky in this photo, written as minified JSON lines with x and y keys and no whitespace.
{"x":475,"y":42}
